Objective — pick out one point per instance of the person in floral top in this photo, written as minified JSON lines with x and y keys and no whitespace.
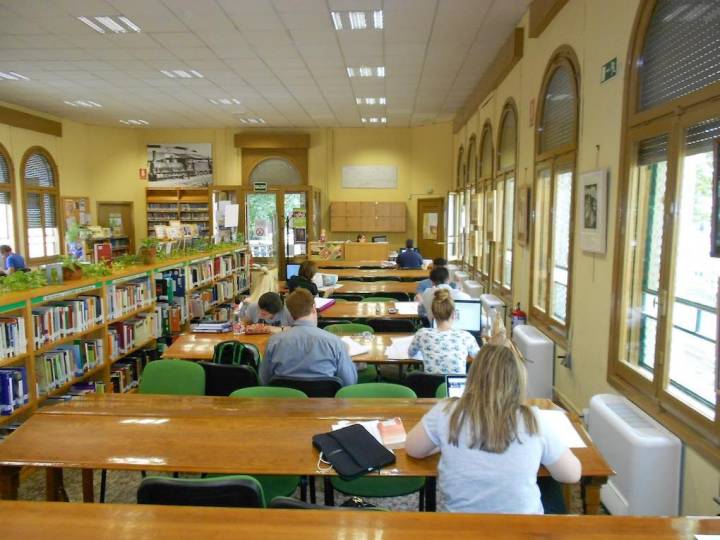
{"x":444,"y":350}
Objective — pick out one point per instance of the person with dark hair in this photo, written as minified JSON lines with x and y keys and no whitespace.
{"x":409,"y":257}
{"x":305,"y":350}
{"x":14,"y":262}
{"x":427,"y":282}
{"x":361,"y":238}
{"x":267,"y":316}
{"x":439,"y":277}
{"x":304,"y":279}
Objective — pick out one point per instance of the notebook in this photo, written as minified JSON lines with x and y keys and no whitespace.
{"x":321,"y":304}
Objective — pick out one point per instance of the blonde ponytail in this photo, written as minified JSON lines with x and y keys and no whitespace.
{"x":442,"y":307}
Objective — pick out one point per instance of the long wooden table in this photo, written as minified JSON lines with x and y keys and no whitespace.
{"x":139,"y":522}
{"x":367,"y":264}
{"x":201,"y":346}
{"x":367,"y":287}
{"x":365,"y":310}
{"x":409,"y":274}
{"x":217,"y":435}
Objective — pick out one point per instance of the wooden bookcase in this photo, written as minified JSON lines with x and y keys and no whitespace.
{"x":368,"y":217}
{"x":187,"y":205}
{"x":21,"y":304}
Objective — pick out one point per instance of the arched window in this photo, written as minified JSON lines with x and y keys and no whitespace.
{"x":460,"y":179}
{"x":664,"y":340}
{"x":487,"y":201}
{"x":276,"y":172}
{"x":7,"y":200}
{"x":41,"y":194}
{"x":555,"y":157}
{"x":452,"y":215}
{"x":505,"y":182}
{"x":470,"y":201}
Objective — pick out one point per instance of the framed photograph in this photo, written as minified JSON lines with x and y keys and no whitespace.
{"x":592,"y":204}
{"x":522,"y":215}
{"x":180,"y":165}
{"x":715,"y":219}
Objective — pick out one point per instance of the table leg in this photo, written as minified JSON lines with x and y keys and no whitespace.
{"x":430,"y":494}
{"x":329,"y":492}
{"x":54,"y":486}
{"x":9,"y":482}
{"x":311,"y":482}
{"x":592,"y":487}
{"x":567,"y":490}
{"x":88,"y":487}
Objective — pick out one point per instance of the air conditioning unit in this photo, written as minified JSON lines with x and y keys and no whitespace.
{"x":452,"y":268}
{"x":460,"y":278}
{"x":646,"y":457}
{"x":473,"y":288}
{"x":539,"y":353}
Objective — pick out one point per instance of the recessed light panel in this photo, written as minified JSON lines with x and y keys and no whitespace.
{"x":84,"y":103}
{"x":182,"y":74}
{"x":225,"y":101}
{"x":371,"y":101}
{"x":135,"y":122}
{"x":116,"y":25}
{"x":357,"y":20}
{"x":13,"y":76}
{"x":253,"y":121}
{"x":374,"y":120}
{"x":366,"y":71}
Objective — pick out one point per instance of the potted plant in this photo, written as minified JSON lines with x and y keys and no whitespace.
{"x":70,"y":268}
{"x":148,"y":250}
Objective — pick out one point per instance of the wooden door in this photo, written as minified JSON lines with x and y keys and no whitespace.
{"x":431,"y":227}
{"x":108,"y":210}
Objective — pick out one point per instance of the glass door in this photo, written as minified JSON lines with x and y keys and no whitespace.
{"x":295,"y":224}
{"x":261,"y":223}
{"x":225,"y":215}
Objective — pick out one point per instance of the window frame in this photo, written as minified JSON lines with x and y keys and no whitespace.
{"x":560,"y":157}
{"x":55,"y":191}
{"x":12,"y":190}
{"x":486,"y":185}
{"x":672,"y":118}
{"x":501,"y":176}
{"x":470,"y":226}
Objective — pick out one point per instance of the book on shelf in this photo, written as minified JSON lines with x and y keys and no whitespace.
{"x":224,"y":265}
{"x":12,"y":337}
{"x":125,"y":375}
{"x":128,"y":297}
{"x":103,"y":251}
{"x":199,"y":303}
{"x":56,"y":320}
{"x":127,"y":335}
{"x":200,"y":273}
{"x":171,"y":316}
{"x":170,"y":284}
{"x":13,"y":389}
{"x":67,"y":362}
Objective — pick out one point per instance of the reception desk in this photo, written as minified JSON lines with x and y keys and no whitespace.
{"x":349,"y":251}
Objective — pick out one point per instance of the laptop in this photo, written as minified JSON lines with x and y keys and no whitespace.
{"x":292,"y":270}
{"x":468,"y":316}
{"x":379,"y":239}
{"x":455,"y":385}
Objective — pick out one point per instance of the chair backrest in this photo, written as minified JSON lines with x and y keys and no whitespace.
{"x":268,"y":392}
{"x":392,"y":325}
{"x":311,"y":386}
{"x":323,"y":322}
{"x":382,"y":278}
{"x":346,"y":297}
{"x":289,"y":503}
{"x":424,"y":384}
{"x":377,"y":299}
{"x":178,"y":377}
{"x":441,"y":391}
{"x":236,"y":353}
{"x":221,"y":379}
{"x":348,"y":328}
{"x":228,"y":491}
{"x":375,"y":390}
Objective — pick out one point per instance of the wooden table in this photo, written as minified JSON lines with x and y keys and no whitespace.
{"x":201,"y":346}
{"x":140,"y":522}
{"x":368,"y":287}
{"x":365,"y":310}
{"x":217,"y":435}
{"x":380,"y":273}
{"x":368,"y":264}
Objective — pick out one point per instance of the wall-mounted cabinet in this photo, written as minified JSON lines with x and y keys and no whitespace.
{"x":367,"y":217}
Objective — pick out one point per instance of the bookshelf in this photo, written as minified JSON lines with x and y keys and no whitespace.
{"x":58,"y":336}
{"x":188,"y":205}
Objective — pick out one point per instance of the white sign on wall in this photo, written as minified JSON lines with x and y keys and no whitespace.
{"x":370,"y":176}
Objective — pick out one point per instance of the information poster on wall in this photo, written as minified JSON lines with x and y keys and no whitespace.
{"x":430,"y":226}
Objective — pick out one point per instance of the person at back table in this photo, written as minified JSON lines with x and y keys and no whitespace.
{"x":14,"y":262}
{"x":439,"y":277}
{"x":304,"y":350}
{"x":491,"y":445}
{"x":444,"y":350}
{"x":427,"y":282}
{"x":267,"y":316}
{"x":304,"y":279}
{"x":409,"y":257}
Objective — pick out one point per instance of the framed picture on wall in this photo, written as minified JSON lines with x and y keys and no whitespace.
{"x":715,"y":219}
{"x":592,"y":205}
{"x":522,"y":213}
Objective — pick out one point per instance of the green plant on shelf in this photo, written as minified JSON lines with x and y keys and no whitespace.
{"x":22,"y":281}
{"x":123,"y":261}
{"x":69,"y":263}
{"x":95,"y":270}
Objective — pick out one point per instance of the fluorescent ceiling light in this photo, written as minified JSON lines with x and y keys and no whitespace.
{"x":378,"y":19}
{"x":366,"y":71}
{"x":337,"y":20}
{"x":357,"y":20}
{"x":135,"y":122}
{"x":374,"y":120}
{"x":371,"y":101}
{"x":84,"y":103}
{"x":225,"y":101}
{"x":182,"y":74}
{"x":380,"y":71}
{"x":252,"y":120}
{"x":13,"y":76}
{"x":103,"y":23}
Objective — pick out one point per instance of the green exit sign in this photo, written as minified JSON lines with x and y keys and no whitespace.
{"x":609,"y":70}
{"x":260,"y":186}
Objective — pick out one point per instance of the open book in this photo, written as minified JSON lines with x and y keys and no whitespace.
{"x":390,"y":433}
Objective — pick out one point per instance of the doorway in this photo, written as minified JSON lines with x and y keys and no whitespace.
{"x":118,"y":217}
{"x":431,"y":227}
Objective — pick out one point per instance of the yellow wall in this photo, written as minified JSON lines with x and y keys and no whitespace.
{"x":597,"y":32}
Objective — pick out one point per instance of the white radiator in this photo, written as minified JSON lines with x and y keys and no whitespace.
{"x":473,"y":288}
{"x":539,"y":354}
{"x":646,"y":457}
{"x":460,"y":278}
{"x":452,"y":268}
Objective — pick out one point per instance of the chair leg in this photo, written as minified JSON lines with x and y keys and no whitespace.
{"x":311,"y":481}
{"x":421,"y":499}
{"x":303,"y":488}
{"x":329,"y":492}
{"x":103,"y":484}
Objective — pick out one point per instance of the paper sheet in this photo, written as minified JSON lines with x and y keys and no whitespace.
{"x":398,"y":349}
{"x":232,"y":215}
{"x":354,"y":348}
{"x":707,"y":537}
{"x":334,"y":287}
{"x":407,"y":308}
{"x":559,"y":422}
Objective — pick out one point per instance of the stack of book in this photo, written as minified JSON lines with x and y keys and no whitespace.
{"x":57,"y":320}
{"x":200,"y":273}
{"x":12,"y":337}
{"x":127,"y":297}
{"x":211,"y":326}
{"x":125,"y":375}
{"x":13,"y":389}
{"x":66,"y":362}
{"x":199,"y":303}
{"x":222,"y":312}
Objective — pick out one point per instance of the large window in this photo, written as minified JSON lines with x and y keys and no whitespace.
{"x":454,"y":227}
{"x":7,"y":200}
{"x":556,"y":143}
{"x":41,"y":205}
{"x":664,"y":342}
{"x":505,"y":183}
{"x":486,"y":189}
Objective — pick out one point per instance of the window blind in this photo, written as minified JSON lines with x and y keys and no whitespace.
{"x":653,"y":150}
{"x":508,"y":141}
{"x":33,"y":213}
{"x":559,"y":111}
{"x":49,"y":210}
{"x":680,"y":52}
{"x":700,"y":138}
{"x":460,"y":179}
{"x":5,"y":198}
{"x":38,"y":172}
{"x":486,"y":155}
{"x":4,"y":171}
{"x":472,"y":161}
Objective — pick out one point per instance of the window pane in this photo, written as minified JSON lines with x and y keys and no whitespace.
{"x":451,"y":227}
{"x":295,"y":227}
{"x":33,"y":218}
{"x":508,"y":141}
{"x":509,"y":219}
{"x":561,"y":244}
{"x":7,"y":235}
{"x":489,"y":226}
{"x":38,"y":172}
{"x":486,"y":156}
{"x":694,"y":302}
{"x":472,"y":162}
{"x":459,"y":179}
{"x":276,"y":172}
{"x":467,"y":252}
{"x":541,"y":238}
{"x":559,"y":111}
{"x":499,"y":209}
{"x":4,"y":171}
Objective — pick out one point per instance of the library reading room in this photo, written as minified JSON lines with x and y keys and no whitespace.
{"x":359,"y":269}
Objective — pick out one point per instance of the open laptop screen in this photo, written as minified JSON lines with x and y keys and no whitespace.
{"x":468,"y":315}
{"x":455,"y":385}
{"x":292,"y":270}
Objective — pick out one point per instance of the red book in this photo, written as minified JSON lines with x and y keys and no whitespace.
{"x":103,"y":252}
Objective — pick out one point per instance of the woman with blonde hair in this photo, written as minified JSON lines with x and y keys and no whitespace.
{"x":444,"y":349}
{"x":491,"y":444}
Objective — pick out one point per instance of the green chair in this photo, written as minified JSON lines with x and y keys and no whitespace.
{"x":370,"y":373}
{"x":175,"y":377}
{"x":441,"y":392}
{"x":273,"y":485}
{"x":377,"y":299}
{"x":374,"y":486}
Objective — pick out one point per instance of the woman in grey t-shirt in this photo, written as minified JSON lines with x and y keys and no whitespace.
{"x":491,"y":444}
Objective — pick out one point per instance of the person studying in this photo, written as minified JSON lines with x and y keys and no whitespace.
{"x":304,"y":279}
{"x":13,"y":262}
{"x":409,"y":257}
{"x":444,"y":349}
{"x":491,"y":445}
{"x":305,"y":350}
{"x":439,"y":277}
{"x":267,"y":316}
